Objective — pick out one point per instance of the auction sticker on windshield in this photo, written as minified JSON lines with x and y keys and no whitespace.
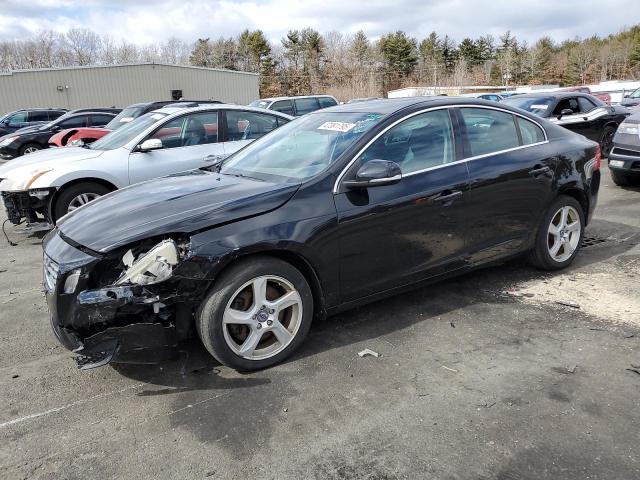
{"x":337,"y":126}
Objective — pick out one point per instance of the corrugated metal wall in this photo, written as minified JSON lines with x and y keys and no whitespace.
{"x":121,"y":86}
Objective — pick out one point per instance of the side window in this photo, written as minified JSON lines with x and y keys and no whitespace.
{"x":39,"y":116}
{"x":419,"y":142}
{"x":55,"y":114}
{"x":99,"y":120}
{"x":284,"y":106}
{"x":74,"y":122}
{"x":529,"y":131}
{"x":170,"y":133}
{"x":248,"y":125}
{"x":200,"y":129}
{"x":585,"y":104}
{"x":17,"y":118}
{"x":567,"y":103}
{"x":489,"y":130}
{"x":282,"y":121}
{"x":306,"y":105}
{"x":327,"y":102}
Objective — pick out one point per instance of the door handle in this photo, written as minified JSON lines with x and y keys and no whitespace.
{"x":538,"y":170}
{"x":447,"y":196}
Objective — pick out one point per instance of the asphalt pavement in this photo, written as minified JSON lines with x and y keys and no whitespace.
{"x":507,"y":373}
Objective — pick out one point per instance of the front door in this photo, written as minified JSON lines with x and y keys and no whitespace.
{"x":397,"y":234}
{"x":189,"y":141}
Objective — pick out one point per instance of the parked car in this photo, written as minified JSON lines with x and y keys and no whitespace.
{"x":624,"y":160}
{"x":54,"y":182}
{"x":31,"y":139}
{"x":338,"y":208}
{"x":605,"y":97}
{"x":88,"y":135}
{"x":25,"y":118}
{"x":579,"y":112}
{"x":631,"y":100}
{"x":296,"y":106}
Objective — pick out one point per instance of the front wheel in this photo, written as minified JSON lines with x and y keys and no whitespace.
{"x":606,"y":141}
{"x":75,"y":196}
{"x":559,"y":235}
{"x":256,"y":315}
{"x":29,"y":148}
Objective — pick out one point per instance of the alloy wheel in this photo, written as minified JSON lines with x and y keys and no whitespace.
{"x":262,"y":317}
{"x":81,"y":200}
{"x":563,"y":234}
{"x":30,"y":150}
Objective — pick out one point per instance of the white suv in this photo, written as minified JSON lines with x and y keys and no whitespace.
{"x":169,"y":140}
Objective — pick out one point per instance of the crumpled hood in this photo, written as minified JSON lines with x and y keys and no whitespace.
{"x":48,"y":158}
{"x":180,"y":203}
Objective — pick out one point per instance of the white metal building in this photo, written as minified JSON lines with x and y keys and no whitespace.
{"x":122,"y":85}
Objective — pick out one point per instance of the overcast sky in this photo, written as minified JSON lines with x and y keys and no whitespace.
{"x":147,"y":21}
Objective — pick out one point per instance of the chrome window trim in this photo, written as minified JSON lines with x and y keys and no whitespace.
{"x":336,"y":185}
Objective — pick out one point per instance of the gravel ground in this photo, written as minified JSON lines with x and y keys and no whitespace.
{"x":493,"y":375}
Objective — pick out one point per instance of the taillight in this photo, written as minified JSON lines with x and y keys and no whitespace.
{"x":596,"y":164}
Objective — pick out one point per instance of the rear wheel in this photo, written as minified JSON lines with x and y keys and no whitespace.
{"x":29,"y":148}
{"x":256,"y":315}
{"x":75,"y":196}
{"x":559,"y":235}
{"x":620,"y":179}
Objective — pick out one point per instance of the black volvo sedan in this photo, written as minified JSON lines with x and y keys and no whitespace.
{"x":335,"y":209}
{"x":578,"y":112}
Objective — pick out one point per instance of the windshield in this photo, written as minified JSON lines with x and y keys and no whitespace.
{"x":259,"y":104}
{"x":635,"y":93}
{"x":536,"y":105}
{"x":124,"y":117}
{"x":301,"y":148}
{"x":128,"y":132}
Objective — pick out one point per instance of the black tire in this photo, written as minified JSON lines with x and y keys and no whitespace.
{"x":209,"y":315}
{"x":606,"y":140}
{"x":620,"y":179}
{"x":539,"y":256}
{"x":23,"y":149}
{"x":67,"y":194}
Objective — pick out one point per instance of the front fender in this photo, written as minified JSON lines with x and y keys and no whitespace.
{"x":59,"y":179}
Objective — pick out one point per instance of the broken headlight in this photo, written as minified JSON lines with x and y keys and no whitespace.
{"x":152,"y":267}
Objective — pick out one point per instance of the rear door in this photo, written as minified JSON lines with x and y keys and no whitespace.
{"x":243,"y":127}
{"x":98,"y":120}
{"x":189,"y":141}
{"x":397,"y":234}
{"x":511,"y":169}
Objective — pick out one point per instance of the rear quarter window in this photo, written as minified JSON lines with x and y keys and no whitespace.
{"x":327,"y":102}
{"x":529,"y":131}
{"x":306,"y":105}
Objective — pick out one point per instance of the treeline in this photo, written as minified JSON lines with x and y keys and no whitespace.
{"x":348,"y":66}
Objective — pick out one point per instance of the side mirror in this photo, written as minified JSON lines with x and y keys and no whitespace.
{"x":150,"y":144}
{"x":376,"y":173}
{"x":628,"y":95}
{"x":565,"y":111}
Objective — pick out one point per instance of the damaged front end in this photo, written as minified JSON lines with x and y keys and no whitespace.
{"x":132,"y":305}
{"x":30,"y":205}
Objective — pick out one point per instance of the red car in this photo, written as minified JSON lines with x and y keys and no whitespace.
{"x":605,"y":97}
{"x":90,"y":135}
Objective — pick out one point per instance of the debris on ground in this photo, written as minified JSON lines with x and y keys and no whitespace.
{"x":634,"y":369}
{"x":453,"y":325}
{"x":368,"y":352}
{"x":565,"y":370}
{"x":450,"y":369}
{"x":487,"y":404}
{"x":567,"y":303}
{"x":628,"y":335}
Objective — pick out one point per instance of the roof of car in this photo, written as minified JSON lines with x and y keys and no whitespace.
{"x":170,"y":109}
{"x":275,"y":99}
{"x":556,"y":94}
